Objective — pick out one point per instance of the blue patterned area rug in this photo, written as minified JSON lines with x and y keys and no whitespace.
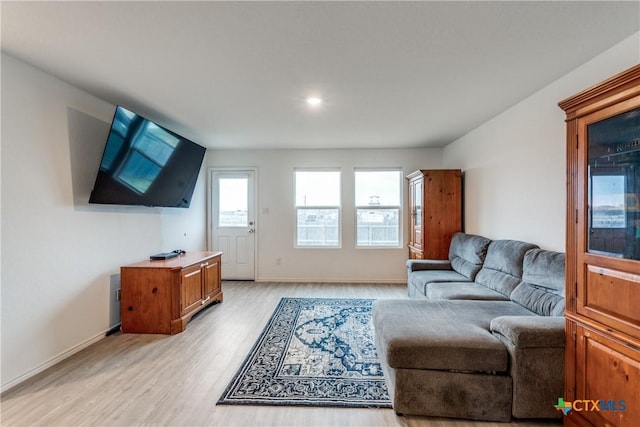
{"x":313,"y":352}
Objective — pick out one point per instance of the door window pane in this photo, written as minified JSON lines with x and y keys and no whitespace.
{"x":233,"y":200}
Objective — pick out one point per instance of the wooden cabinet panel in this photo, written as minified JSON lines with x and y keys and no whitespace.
{"x":160,"y":297}
{"x":212,"y":279}
{"x":190,"y":288}
{"x":415,"y":253}
{"x":608,"y":372}
{"x":145,"y":304}
{"x":435,"y":212}
{"x":612,"y":297}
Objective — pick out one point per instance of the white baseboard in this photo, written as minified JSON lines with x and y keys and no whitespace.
{"x":57,"y":359}
{"x":325,"y":280}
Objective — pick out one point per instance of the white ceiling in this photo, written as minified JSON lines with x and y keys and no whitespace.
{"x":236,"y":74}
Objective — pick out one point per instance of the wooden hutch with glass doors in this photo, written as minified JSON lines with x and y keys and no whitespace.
{"x":602,"y":369}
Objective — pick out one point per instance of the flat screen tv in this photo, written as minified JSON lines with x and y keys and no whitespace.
{"x":146,"y":164}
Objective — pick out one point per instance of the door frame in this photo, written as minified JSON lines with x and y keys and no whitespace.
{"x":210,"y":226}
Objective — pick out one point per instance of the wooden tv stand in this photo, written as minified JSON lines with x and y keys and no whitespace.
{"x":160,"y":297}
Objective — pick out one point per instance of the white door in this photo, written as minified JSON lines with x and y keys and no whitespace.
{"x":232,"y":221}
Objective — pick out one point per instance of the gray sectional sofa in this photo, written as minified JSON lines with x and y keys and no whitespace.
{"x":482,"y":336}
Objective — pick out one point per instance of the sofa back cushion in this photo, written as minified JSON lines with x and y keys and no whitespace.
{"x":502,"y":268}
{"x":542,"y":287}
{"x":467,"y":253}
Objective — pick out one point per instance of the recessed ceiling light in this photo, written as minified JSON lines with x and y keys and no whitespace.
{"x":314,"y":101}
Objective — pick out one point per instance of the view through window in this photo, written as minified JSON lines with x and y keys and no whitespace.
{"x":232,"y":209}
{"x":378,"y":200}
{"x":317,"y":199}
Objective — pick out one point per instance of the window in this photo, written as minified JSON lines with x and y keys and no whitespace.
{"x":317,"y":208}
{"x":378,"y":200}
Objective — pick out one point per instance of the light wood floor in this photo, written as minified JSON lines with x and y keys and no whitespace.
{"x":157,"y":380}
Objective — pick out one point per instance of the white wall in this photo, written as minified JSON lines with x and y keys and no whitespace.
{"x":514,"y":164}
{"x":61,"y":256}
{"x":275,"y":222}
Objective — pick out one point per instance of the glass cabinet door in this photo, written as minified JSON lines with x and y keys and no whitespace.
{"x":614,"y":186}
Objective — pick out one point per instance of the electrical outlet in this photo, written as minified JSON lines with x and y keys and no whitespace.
{"x":117,"y":294}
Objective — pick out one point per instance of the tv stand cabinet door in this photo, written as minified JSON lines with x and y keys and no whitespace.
{"x":190,"y":289}
{"x":212,"y":281}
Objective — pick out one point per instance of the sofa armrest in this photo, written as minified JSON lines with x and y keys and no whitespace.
{"x":530,"y":331}
{"x":428,"y":264}
{"x":536,"y":362}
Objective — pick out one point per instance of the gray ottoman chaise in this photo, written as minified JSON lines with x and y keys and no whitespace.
{"x":487,"y":345}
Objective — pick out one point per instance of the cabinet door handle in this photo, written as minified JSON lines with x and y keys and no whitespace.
{"x":204,"y":264}
{"x":205,"y":300}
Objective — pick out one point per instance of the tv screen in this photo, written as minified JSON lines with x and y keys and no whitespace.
{"x":146,"y":164}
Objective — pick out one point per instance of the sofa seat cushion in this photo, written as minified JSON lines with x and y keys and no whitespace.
{"x":420,"y":279}
{"x":451,"y":335}
{"x":463,"y":291}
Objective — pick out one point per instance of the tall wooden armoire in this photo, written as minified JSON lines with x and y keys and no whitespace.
{"x":435,"y":212}
{"x":602,"y":369}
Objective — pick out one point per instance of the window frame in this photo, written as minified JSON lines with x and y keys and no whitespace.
{"x":296,"y":208}
{"x":399,"y":207}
